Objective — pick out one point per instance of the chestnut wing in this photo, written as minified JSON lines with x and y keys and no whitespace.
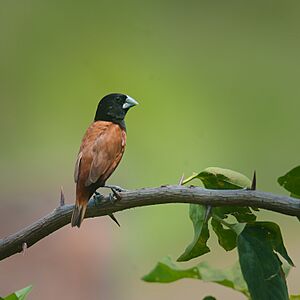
{"x":77,"y":167}
{"x":107,"y":151}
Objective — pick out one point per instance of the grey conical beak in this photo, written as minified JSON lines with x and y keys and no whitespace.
{"x":129,"y":102}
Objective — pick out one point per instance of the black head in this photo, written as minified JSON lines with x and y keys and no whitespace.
{"x":113,"y":108}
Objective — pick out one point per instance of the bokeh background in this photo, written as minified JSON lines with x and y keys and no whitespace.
{"x":218,"y":85}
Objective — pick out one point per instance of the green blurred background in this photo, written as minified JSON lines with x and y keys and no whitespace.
{"x":218,"y":85}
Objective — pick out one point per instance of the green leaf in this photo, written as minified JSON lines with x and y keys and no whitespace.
{"x":198,"y":246}
{"x":11,"y":297}
{"x":260,"y":266}
{"x":219,"y":178}
{"x":226,"y":237}
{"x":242,"y":214}
{"x":295,"y":196}
{"x":295,"y":297}
{"x":238,"y":228}
{"x":286,"y":268}
{"x":19,"y":295}
{"x":291,"y":181}
{"x":275,"y":238}
{"x":166,"y":271}
{"x":255,"y":208}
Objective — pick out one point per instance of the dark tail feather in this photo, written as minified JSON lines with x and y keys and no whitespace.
{"x":115,"y":219}
{"x":78,"y":214}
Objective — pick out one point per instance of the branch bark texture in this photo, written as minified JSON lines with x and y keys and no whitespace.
{"x":61,"y":216}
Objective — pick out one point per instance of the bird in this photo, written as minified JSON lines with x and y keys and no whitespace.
{"x":101,"y":150}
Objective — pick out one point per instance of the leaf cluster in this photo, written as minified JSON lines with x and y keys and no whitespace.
{"x":259,"y":273}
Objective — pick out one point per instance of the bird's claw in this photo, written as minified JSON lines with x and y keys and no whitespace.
{"x":97,"y":197}
{"x":115,"y":192}
{"x":116,"y":188}
{"x":115,"y":195}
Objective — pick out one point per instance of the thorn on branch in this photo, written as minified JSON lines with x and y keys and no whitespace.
{"x":207,"y":213}
{"x":114,"y":219}
{"x":253,"y":185}
{"x":62,"y":197}
{"x":24,"y":248}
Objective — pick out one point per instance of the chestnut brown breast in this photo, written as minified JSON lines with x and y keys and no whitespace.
{"x":100,"y":152}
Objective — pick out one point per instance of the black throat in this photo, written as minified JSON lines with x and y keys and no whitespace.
{"x":121,"y":123}
{"x":107,"y":118}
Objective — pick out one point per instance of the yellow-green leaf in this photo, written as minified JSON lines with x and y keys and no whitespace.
{"x":198,"y":246}
{"x":219,"y":178}
{"x":166,"y":271}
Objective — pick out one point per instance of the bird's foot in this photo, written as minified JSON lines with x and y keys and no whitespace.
{"x":116,"y":188}
{"x":114,"y":196}
{"x":97,"y":198}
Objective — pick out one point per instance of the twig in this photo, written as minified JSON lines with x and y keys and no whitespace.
{"x":61,"y":216}
{"x":181,"y":179}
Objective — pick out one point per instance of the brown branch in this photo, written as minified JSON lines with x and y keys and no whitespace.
{"x":147,"y":196}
